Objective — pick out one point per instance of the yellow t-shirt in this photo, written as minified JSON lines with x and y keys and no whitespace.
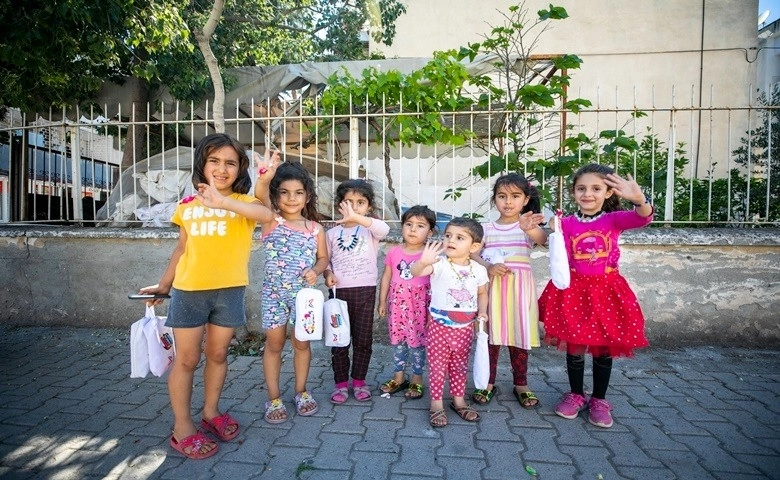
{"x":218,"y":243}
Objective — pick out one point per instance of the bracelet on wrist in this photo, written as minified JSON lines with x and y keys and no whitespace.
{"x":637,"y":205}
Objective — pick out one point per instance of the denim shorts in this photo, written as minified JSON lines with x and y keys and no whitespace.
{"x":223,"y":307}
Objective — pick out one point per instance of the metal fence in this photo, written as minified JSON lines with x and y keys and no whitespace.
{"x":700,"y":166}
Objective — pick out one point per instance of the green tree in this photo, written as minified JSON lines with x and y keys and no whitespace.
{"x":57,"y":53}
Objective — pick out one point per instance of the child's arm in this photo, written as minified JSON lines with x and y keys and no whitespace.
{"x":529,"y":223}
{"x":378,"y":228}
{"x":482,"y":301}
{"x":166,"y":281}
{"x":266,"y":170}
{"x":430,"y":255}
{"x":311,"y":274}
{"x":256,"y":211}
{"x":384,"y":288}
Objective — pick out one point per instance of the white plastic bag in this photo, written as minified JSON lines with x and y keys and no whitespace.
{"x":159,"y":340}
{"x":151,"y":346}
{"x":139,"y":351}
{"x":308,"y":314}
{"x":559,"y":259}
{"x":336,"y":320}
{"x":163,"y":185}
{"x":481,"y":368}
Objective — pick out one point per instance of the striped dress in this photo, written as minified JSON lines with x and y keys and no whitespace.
{"x":513,"y":308}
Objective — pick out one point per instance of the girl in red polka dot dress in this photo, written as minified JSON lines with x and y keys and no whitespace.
{"x":598,"y":313}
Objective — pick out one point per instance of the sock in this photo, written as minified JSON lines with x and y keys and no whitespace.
{"x":342,"y":385}
{"x":358,"y":383}
{"x":602,"y":369}
{"x":575,"y":367}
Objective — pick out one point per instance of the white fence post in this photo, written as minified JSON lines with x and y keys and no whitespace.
{"x":75,"y":172}
{"x":669,"y":204}
{"x":354,"y":147}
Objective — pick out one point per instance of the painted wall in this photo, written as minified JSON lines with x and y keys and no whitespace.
{"x":715,"y":286}
{"x":646,"y":55}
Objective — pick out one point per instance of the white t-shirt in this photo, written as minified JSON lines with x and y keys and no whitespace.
{"x":454,"y":287}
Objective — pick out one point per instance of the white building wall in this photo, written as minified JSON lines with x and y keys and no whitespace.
{"x":642,"y":54}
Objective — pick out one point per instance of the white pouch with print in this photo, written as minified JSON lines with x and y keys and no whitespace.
{"x":308,"y":314}
{"x":559,"y":259}
{"x":336,"y":320}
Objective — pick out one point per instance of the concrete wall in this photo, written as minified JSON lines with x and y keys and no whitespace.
{"x":713,"y":286}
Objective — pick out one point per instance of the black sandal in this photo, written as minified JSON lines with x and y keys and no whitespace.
{"x":483,"y":397}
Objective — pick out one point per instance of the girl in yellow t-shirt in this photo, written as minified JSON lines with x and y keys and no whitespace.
{"x":206,"y":278}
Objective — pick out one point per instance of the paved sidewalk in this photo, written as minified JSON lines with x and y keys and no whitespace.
{"x":70,"y":411}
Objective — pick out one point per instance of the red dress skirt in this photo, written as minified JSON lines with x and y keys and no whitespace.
{"x":598,"y":312}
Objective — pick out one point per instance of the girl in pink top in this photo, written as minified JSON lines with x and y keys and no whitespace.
{"x":406,"y":299}
{"x":353,"y":245}
{"x":598,"y":313}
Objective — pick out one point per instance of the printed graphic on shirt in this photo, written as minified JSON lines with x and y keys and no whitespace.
{"x":405,"y":269}
{"x":207,"y":222}
{"x":591,"y":245}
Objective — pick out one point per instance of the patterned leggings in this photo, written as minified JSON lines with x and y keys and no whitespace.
{"x":401,"y":354}
{"x":448,"y":354}
{"x":360,"y":305}
{"x":518,"y":357}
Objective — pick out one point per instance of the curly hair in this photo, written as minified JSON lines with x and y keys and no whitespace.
{"x":295,"y":171}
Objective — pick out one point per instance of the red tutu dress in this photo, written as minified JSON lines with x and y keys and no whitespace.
{"x":598,"y":311}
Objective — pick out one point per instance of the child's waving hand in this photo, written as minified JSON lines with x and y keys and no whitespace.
{"x":625,"y":188}
{"x":429,"y":256}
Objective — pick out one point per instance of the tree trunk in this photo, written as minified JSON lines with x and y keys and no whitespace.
{"x":388,"y":171}
{"x":203,"y":36}
{"x":135,"y":144}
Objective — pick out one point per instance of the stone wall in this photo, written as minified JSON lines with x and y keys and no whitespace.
{"x":696,"y":286}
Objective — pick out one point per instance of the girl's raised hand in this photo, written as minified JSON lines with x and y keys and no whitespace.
{"x":530,"y":220}
{"x":347,"y":213}
{"x":625,"y":188}
{"x":431,"y":252}
{"x":209,"y":195}
{"x":266,"y":167}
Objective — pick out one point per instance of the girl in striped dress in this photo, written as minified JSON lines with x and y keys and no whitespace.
{"x":512,"y":311}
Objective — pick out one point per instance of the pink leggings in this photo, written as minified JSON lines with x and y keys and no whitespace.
{"x":448,"y":353}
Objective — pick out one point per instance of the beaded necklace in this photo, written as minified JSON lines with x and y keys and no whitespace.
{"x":352,"y":243}
{"x":584,"y":217}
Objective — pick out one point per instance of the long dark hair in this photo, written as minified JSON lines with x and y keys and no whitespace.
{"x":519,"y":181}
{"x":295,"y":171}
{"x":612,"y":203}
{"x":215,"y":141}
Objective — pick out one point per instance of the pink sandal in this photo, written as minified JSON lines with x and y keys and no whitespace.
{"x":218,"y":425}
{"x":190,"y":446}
{"x":362,"y":393}
{"x":339,"y":396}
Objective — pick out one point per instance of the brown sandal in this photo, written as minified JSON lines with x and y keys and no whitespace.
{"x":438,"y":418}
{"x":467,"y":413}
